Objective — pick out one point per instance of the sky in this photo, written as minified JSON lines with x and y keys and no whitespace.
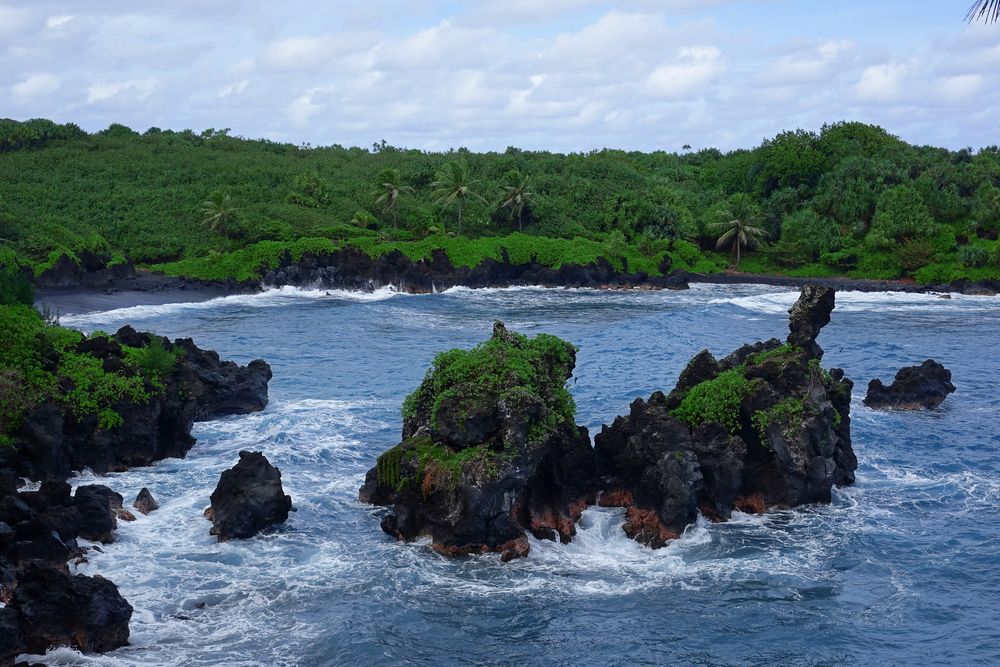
{"x":559,"y":75}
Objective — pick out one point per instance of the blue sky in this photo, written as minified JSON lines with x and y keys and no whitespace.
{"x":562,"y":75}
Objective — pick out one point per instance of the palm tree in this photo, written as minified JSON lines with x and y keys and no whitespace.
{"x":987,"y":11}
{"x":390,"y":188}
{"x":218,"y":213}
{"x":737,"y":225}
{"x":516,"y":195}
{"x":452,"y":186}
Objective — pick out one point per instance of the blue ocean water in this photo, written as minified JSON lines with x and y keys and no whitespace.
{"x":902,"y":568}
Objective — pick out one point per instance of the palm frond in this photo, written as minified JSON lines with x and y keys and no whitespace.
{"x":726,"y":238}
{"x":987,"y":11}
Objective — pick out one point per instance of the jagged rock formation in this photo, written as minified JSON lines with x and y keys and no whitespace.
{"x":53,"y":442}
{"x":915,"y":388}
{"x":45,"y":605}
{"x":248,"y":499}
{"x":489,"y":451}
{"x":764,"y":427}
{"x":145,"y":502}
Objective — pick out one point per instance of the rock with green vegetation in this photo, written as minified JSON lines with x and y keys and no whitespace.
{"x":764,"y":427}
{"x":489,"y":450}
{"x":69,"y":401}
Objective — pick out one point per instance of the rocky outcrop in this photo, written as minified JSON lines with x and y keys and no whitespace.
{"x":46,"y":606}
{"x":248,"y":499}
{"x":145,"y":502}
{"x":97,"y":505}
{"x":764,"y":427}
{"x":915,"y":388}
{"x":53,"y":442}
{"x":39,"y":530}
{"x":54,"y":608}
{"x":352,"y":269}
{"x":490,"y":451}
{"x":92,"y":271}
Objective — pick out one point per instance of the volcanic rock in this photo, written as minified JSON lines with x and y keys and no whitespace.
{"x":765,"y":427}
{"x":97,"y":504}
{"x":145,"y":502}
{"x":489,"y":451}
{"x":248,"y":499}
{"x":809,"y":315}
{"x":915,"y":387}
{"x":57,"y":609}
{"x":52,"y":443}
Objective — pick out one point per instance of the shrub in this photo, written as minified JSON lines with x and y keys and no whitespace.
{"x":973,"y":257}
{"x":716,"y":400}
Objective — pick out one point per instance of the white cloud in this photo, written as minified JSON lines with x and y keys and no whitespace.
{"x":560,"y":74}
{"x":304,"y":107}
{"x":882,"y":83}
{"x":138,"y":89}
{"x":318,"y":52}
{"x":234,"y":89}
{"x":961,"y":87}
{"x":694,"y":69}
{"x":56,"y":22}
{"x":816,"y":63}
{"x":35,"y":86}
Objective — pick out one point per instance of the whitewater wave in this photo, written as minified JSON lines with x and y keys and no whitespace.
{"x":778,"y":303}
{"x":270,"y":298}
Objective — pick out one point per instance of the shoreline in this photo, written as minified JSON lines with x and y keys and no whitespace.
{"x":156,"y":289}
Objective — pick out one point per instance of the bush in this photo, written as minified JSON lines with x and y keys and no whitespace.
{"x":79,"y":381}
{"x":716,"y":400}
{"x":973,"y":257}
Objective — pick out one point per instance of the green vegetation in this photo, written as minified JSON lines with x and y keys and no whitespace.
{"x":40,"y":362}
{"x":510,"y":368}
{"x":850,"y":200}
{"x":787,"y":413}
{"x":737,"y":225}
{"x":436,"y":466}
{"x":716,"y":400}
{"x":780,"y":351}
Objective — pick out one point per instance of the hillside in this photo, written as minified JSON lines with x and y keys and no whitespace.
{"x":849,"y":200}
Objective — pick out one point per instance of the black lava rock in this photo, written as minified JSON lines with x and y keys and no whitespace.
{"x":915,"y":388}
{"x":57,"y":609}
{"x":248,"y":499}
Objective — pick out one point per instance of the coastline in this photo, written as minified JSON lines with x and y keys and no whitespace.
{"x":149,"y":289}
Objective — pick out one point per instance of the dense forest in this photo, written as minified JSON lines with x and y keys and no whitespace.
{"x":850,"y":199}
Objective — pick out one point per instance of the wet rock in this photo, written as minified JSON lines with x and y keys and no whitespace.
{"x":497,"y":457}
{"x":765,"y":427}
{"x":248,"y":499}
{"x":97,"y":505}
{"x":914,"y":388}
{"x":11,"y":641}
{"x":57,"y":609}
{"x":808,"y":316}
{"x":52,"y":444}
{"x":144,"y":502}
{"x":351,"y":268}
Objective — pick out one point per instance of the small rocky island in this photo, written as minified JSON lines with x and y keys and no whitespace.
{"x":248,"y":499}
{"x":490,"y":450}
{"x":914,"y":388}
{"x":45,"y":604}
